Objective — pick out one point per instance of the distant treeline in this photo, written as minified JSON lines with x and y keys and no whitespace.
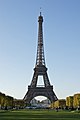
{"x":71,"y":102}
{"x":8,"y":102}
{"x":5,"y":101}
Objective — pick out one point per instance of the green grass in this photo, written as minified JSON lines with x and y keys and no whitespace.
{"x":38,"y":115}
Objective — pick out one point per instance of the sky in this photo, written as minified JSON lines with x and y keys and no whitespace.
{"x":18,"y":45}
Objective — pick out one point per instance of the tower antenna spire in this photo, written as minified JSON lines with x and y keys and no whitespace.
{"x":40,"y":10}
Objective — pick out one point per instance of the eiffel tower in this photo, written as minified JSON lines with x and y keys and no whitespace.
{"x":40,"y":70}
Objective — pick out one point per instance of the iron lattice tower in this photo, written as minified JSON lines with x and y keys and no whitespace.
{"x":40,"y":70}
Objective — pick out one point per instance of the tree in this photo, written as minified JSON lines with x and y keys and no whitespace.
{"x":61,"y":103}
{"x":76,"y":100}
{"x":19,"y":103}
{"x":2,"y":99}
{"x":69,"y":102}
{"x":8,"y":102}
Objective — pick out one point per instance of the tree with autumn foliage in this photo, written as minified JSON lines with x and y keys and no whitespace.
{"x":76,"y":100}
{"x":69,"y":102}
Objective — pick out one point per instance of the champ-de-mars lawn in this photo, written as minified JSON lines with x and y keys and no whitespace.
{"x":39,"y":115}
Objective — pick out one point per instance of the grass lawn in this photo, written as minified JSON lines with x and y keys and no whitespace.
{"x":38,"y":115}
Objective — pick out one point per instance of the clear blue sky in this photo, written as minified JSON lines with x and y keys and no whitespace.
{"x":18,"y":44}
